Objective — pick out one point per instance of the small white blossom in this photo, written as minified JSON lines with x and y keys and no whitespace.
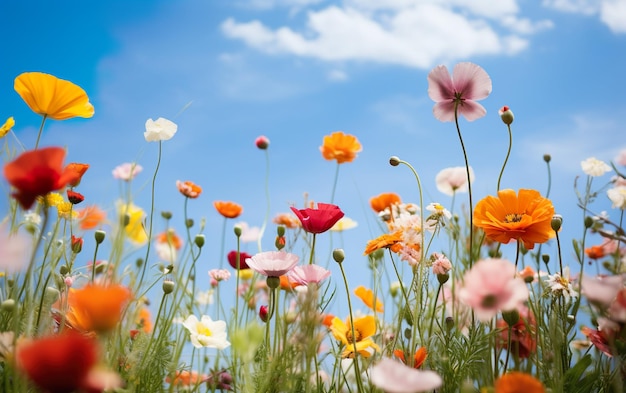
{"x":206,"y":332}
{"x":31,"y":217}
{"x":562,"y":285}
{"x":159,"y":130}
{"x":594,"y":167}
{"x":617,"y":195}
{"x":438,"y":210}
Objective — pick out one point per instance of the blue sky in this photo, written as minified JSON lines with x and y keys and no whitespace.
{"x":296,"y":70}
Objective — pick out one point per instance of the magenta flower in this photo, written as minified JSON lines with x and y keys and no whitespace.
{"x":491,"y":285}
{"x":308,"y":274}
{"x":272,"y":263}
{"x":469,"y":83}
{"x":395,"y":377}
{"x":319,"y":220}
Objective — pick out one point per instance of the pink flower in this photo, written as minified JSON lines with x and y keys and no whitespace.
{"x":272,"y":263}
{"x":492,"y":285}
{"x":452,"y":180}
{"x":469,"y":82}
{"x":308,"y":274}
{"x":395,"y":377}
{"x":441,"y":263}
{"x":127,"y":171}
{"x":621,"y":157}
{"x":601,"y":290}
{"x":15,"y":250}
{"x":218,"y":275}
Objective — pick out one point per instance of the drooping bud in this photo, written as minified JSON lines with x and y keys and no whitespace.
{"x":394,"y":161}
{"x":74,"y":197}
{"x":7,"y":305}
{"x":547,"y":158}
{"x":199,"y":240}
{"x":506,"y":115}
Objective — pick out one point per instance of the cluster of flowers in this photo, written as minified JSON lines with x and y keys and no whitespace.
{"x":468,"y":319}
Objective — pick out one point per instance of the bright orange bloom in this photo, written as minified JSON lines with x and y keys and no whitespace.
{"x":391,"y":241}
{"x":53,"y":97}
{"x":228,"y":209}
{"x":79,"y":169}
{"x":527,"y":274}
{"x":341,"y":147}
{"x":186,"y":378}
{"x":96,"y":307}
{"x":327,"y":320}
{"x":286,"y":283}
{"x":36,"y":173}
{"x":288,"y":220}
{"x":518,"y":382}
{"x":418,"y":358}
{"x":595,"y":252}
{"x":525,"y":217}
{"x":367,"y":296}
{"x":144,"y":319}
{"x":171,"y":238}
{"x":381,"y":202}
{"x":188,"y":188}
{"x":91,"y":217}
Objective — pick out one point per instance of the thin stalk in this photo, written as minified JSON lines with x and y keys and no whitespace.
{"x":508,"y":153}
{"x":43,"y":121}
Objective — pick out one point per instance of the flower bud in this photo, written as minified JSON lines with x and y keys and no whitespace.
{"x":262,"y":142}
{"x":545,"y":258}
{"x":506,"y":115}
{"x":139,"y":262}
{"x":510,"y":317}
{"x":290,"y":317}
{"x":168,"y":286}
{"x":199,"y":240}
{"x":588,"y":222}
{"x":394,"y":161}
{"x":189,"y":222}
{"x":273,"y":282}
{"x":280,"y":242}
{"x":557,"y":221}
{"x":167,"y":215}
{"x":338,"y":255}
{"x":76,"y":244}
{"x":7,"y":305}
{"x":51,"y":294}
{"x":263,"y":313}
{"x":443,"y":278}
{"x":64,"y":270}
{"x":547,"y":158}
{"x":99,"y":235}
{"x":74,"y":197}
{"x":280,"y":230}
{"x":237,"y":229}
{"x":394,"y":288}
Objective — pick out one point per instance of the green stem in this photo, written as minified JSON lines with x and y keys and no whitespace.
{"x":312,"y":250}
{"x":469,"y":186}
{"x":508,"y":153}
{"x":267,"y":199}
{"x":356,"y":353}
{"x":332,"y":194}
{"x":43,"y":121}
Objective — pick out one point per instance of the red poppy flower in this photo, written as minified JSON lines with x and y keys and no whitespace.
{"x":319,"y":220}
{"x":58,"y":364}
{"x":37,"y":172}
{"x":232,"y":259}
{"x":74,"y":197}
{"x":80,"y":170}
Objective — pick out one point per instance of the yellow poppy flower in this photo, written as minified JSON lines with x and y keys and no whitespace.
{"x":6,"y":127}
{"x":364,"y":329}
{"x":50,"y":96}
{"x":134,"y":228}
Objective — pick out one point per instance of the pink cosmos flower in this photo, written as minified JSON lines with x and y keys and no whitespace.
{"x":395,"y":377}
{"x":127,"y":171}
{"x":308,"y":274}
{"x":621,"y":157}
{"x":272,"y":263}
{"x":441,"y":263}
{"x":469,"y":83}
{"x":492,"y":285}
{"x":452,"y":180}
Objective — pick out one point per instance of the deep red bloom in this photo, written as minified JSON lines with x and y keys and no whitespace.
{"x":58,"y":364}
{"x":263,"y":313}
{"x":232,"y":259}
{"x":74,"y":197}
{"x":37,"y":172}
{"x":319,"y":220}
{"x":77,"y":244}
{"x":523,"y":334}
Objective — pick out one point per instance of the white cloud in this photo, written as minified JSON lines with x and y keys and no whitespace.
{"x":270,"y":4}
{"x":337,"y":76}
{"x":613,"y":14}
{"x":586,"y":7}
{"x":401,"y":32}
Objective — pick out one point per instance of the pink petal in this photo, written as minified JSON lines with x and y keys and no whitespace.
{"x":444,"y":110}
{"x":440,"y":85}
{"x":471,"y":81}
{"x":395,"y":377}
{"x":471,"y":110}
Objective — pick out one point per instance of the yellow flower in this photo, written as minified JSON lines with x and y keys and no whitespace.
{"x":341,"y":147}
{"x":64,"y":208}
{"x":54,"y":199}
{"x":344,"y":224}
{"x":6,"y":127}
{"x":50,"y":96}
{"x":134,"y":228}
{"x":364,"y":329}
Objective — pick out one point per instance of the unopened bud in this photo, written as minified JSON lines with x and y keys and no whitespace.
{"x":99,"y":235}
{"x":273,"y":282}
{"x":263,"y":313}
{"x":76,"y":244}
{"x":189,"y":222}
{"x":199,"y":240}
{"x":262,"y":142}
{"x":443,"y":278}
{"x":506,"y":115}
{"x":8,"y":305}
{"x":64,"y":270}
{"x":545,"y":258}
{"x":280,"y":242}
{"x":510,"y":317}
{"x":168,"y":286}
{"x":338,"y":255}
{"x":588,"y":222}
{"x":547,"y":158}
{"x":280,"y":230}
{"x":557,"y":221}
{"x":394,"y":161}
{"x":237,"y":229}
{"x":167,"y":215}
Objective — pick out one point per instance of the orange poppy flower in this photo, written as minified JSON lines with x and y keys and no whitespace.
{"x":188,"y":188}
{"x":418,"y":358}
{"x":340,"y":147}
{"x":36,"y":173}
{"x":516,"y":381}
{"x":91,"y":217}
{"x":228,"y":209}
{"x":381,"y":202}
{"x":170,"y":237}
{"x":79,"y":169}
{"x":288,"y":220}
{"x":50,"y":96}
{"x":391,"y":241}
{"x":526,"y":217}
{"x":367,"y":296}
{"x":186,"y":378}
{"x":595,"y":252}
{"x":97,"y":307}
{"x":144,"y":320}
{"x":327,"y":320}
{"x":286,"y":284}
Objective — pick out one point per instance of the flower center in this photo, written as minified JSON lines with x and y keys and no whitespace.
{"x":513,"y":217}
{"x":350,"y":338}
{"x":203,"y":330}
{"x":489,"y":301}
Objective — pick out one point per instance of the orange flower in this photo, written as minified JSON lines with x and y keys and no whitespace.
{"x":418,"y":358}
{"x":341,"y":147}
{"x":79,"y":169}
{"x":288,"y":220}
{"x":170,"y":237}
{"x":595,"y":252}
{"x":391,"y":241}
{"x":527,"y":274}
{"x":228,"y":209}
{"x":91,"y":217}
{"x":286,"y":283}
{"x":50,"y":96}
{"x":186,"y":378}
{"x":96,"y":307}
{"x":327,"y":320}
{"x":144,"y":319}
{"x":367,"y":296}
{"x":525,"y":217}
{"x":383,"y":201}
{"x":518,"y":382}
{"x":188,"y":188}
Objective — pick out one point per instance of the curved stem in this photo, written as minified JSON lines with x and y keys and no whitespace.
{"x":508,"y":153}
{"x":549,"y":179}
{"x":356,"y":353}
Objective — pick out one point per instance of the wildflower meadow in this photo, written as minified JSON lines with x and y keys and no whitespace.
{"x":477,"y":294}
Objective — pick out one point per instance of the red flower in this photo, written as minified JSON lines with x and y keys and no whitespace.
{"x":74,"y":197}
{"x":77,"y":244}
{"x":232,"y":259}
{"x":319,"y":220}
{"x":79,"y":169}
{"x":523,"y":334}
{"x":58,"y":364}
{"x":37,"y":172}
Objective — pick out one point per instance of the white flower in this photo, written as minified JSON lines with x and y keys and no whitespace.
{"x":452,"y":180}
{"x":621,"y":157}
{"x":33,"y":218}
{"x":594,"y":167}
{"x":395,"y":377}
{"x":248,"y":234}
{"x":562,"y":285}
{"x":127,"y":171}
{"x":438,"y":210}
{"x":15,"y":250}
{"x":159,"y":130}
{"x":617,"y":195}
{"x":205,"y":298}
{"x":206,"y":332}
{"x":166,"y":252}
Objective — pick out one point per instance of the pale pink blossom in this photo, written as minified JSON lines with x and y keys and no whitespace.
{"x":272,"y":263}
{"x":468,"y":83}
{"x":127,"y":171}
{"x":219,"y":275}
{"x":490,"y":286}
{"x":248,"y":234}
{"x":395,"y":377}
{"x":620,"y":159}
{"x":452,"y":180}
{"x":441,"y":263}
{"x":15,"y":250}
{"x":410,"y":255}
{"x":308,"y":274}
{"x":601,"y":290}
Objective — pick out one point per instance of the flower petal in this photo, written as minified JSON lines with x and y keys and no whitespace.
{"x":472,"y":81}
